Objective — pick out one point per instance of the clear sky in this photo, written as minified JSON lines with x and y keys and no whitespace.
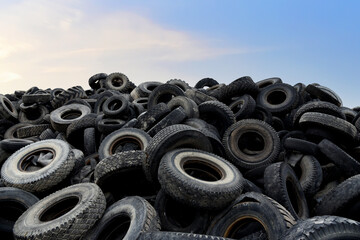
{"x":53,"y":44}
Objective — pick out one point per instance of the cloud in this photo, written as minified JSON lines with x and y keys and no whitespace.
{"x":7,"y":77}
{"x":62,"y":43}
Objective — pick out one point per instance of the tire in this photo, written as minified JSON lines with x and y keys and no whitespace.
{"x":62,"y":117}
{"x":116,"y":106}
{"x":243,"y":107}
{"x":180,"y":83}
{"x":149,"y":118}
{"x":65,"y":96}
{"x":94,"y":81}
{"x":117,"y":141}
{"x":282,"y":184}
{"x":324,"y":227}
{"x":301,"y":145}
{"x":198,"y":97}
{"x":224,"y":116}
{"x":206,"y":82}
{"x":317,"y":106}
{"x":160,"y":235}
{"x":13,"y":144}
{"x":251,"y":143}
{"x":177,"y":217}
{"x":75,"y":130}
{"x":190,"y":107}
{"x":279,"y":98}
{"x":340,"y":127}
{"x":170,"y":138}
{"x":142,"y":102}
{"x":38,"y":98}
{"x":89,"y":141}
{"x":340,"y":158}
{"x":250,"y":213}
{"x":31,"y":131}
{"x":14,"y":202}
{"x":176,"y":116}
{"x":323,"y":93}
{"x":7,"y":109}
{"x":101,"y":99}
{"x":239,"y":87}
{"x":108,"y":125}
{"x":34,"y":117}
{"x":18,"y":171}
{"x":126,"y":219}
{"x":164,"y":93}
{"x":262,"y":114}
{"x":144,"y":89}
{"x":119,"y":82}
{"x":268,"y":82}
{"x":309,"y":172}
{"x":66,"y":214}
{"x":188,"y":175}
{"x":342,"y":200}
{"x":11,"y":132}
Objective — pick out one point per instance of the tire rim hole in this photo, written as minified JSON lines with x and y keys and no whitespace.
{"x":59,"y":209}
{"x":117,"y":82}
{"x":293,"y":196}
{"x":203,"y":171}
{"x":125,"y":144}
{"x":251,"y":143}
{"x":276,"y":97}
{"x":11,"y":210}
{"x":115,"y":105}
{"x":71,"y":114}
{"x":242,"y":227}
{"x":238,"y":107}
{"x":165,"y":98}
{"x":36,"y":160}
{"x":179,"y":214}
{"x":116,"y":229}
{"x":8,"y":105}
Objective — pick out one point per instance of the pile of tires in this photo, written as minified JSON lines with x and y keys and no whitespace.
{"x":244,"y":160}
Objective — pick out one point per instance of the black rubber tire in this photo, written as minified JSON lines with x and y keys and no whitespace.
{"x":31,"y":131}
{"x":188,"y":175}
{"x":100,"y":100}
{"x":180,"y":83}
{"x":116,"y":106}
{"x":16,"y":170}
{"x":126,"y":219}
{"x":176,"y":116}
{"x":190,"y":107}
{"x":170,"y":138}
{"x":342,"y":200}
{"x":309,"y":172}
{"x":94,"y":80}
{"x":144,"y":89}
{"x":262,"y":114}
{"x":13,"y":144}
{"x":111,"y":143}
{"x":239,"y":87}
{"x":65,"y":96}
{"x":38,"y":98}
{"x":206,"y":82}
{"x":36,"y":116}
{"x":198,"y":96}
{"x":164,"y":93}
{"x":89,"y":141}
{"x":243,"y":107}
{"x":160,"y":235}
{"x":119,"y":82}
{"x":149,"y":118}
{"x":345,"y":131}
{"x":339,"y":157}
{"x":301,"y":145}
{"x":177,"y":217}
{"x":282,"y":184}
{"x":108,"y":125}
{"x":251,"y":143}
{"x":62,"y":117}
{"x":11,"y":132}
{"x":13,"y":203}
{"x":317,"y":106}
{"x":278,"y":98}
{"x":7,"y":109}
{"x":267,"y":82}
{"x":349,"y":114}
{"x":324,"y":227}
{"x":224,"y":116}
{"x":323,"y":93}
{"x":250,"y":213}
{"x":75,"y":131}
{"x":66,"y":214}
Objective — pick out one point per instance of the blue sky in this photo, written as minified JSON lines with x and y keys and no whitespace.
{"x":62,"y":43}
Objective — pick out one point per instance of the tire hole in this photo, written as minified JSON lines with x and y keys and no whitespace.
{"x":116,"y":229}
{"x":276,"y":97}
{"x":201,"y":170}
{"x":59,"y":209}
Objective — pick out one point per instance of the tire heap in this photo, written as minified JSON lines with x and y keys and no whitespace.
{"x":246,"y":160}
